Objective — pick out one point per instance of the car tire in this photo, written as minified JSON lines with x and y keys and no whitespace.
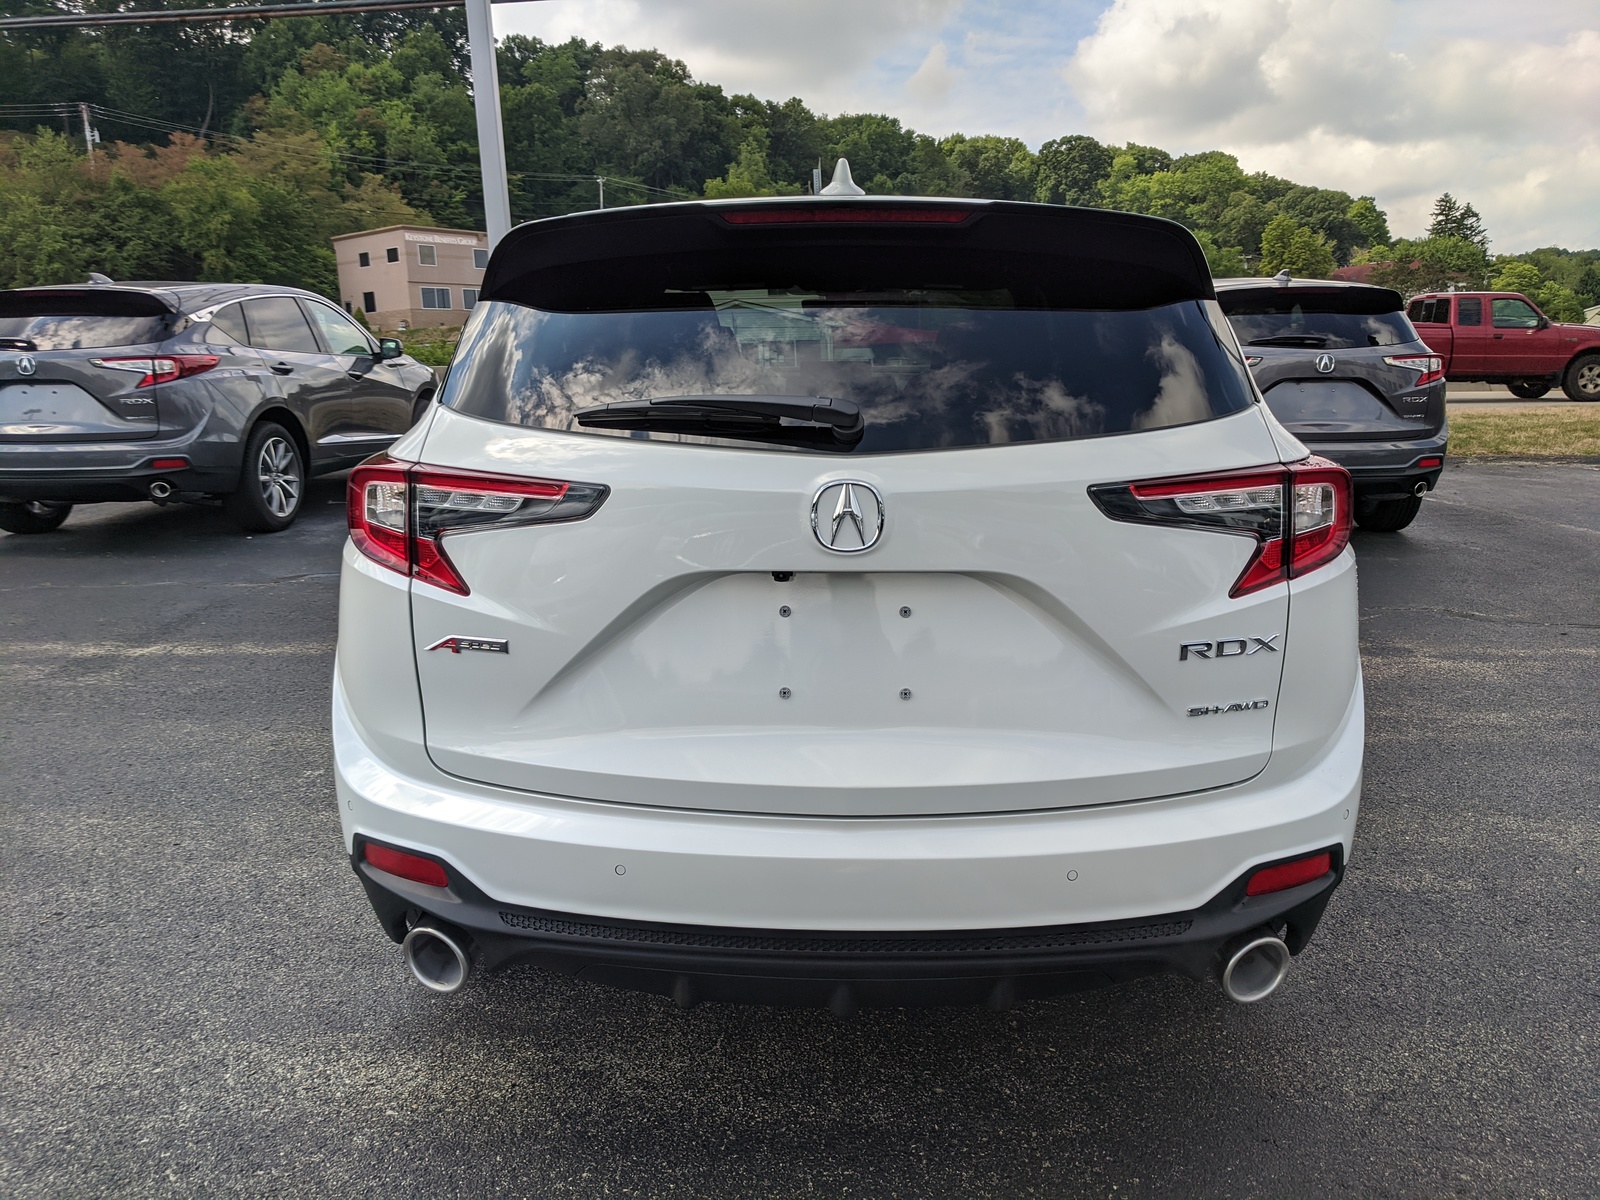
{"x":1387,"y":516}
{"x":32,"y":516}
{"x":272,"y":481}
{"x":1582,"y":380}
{"x":1528,"y":389}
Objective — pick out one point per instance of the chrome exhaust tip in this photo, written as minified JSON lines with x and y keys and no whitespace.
{"x":1421,"y":489}
{"x":1254,"y":970}
{"x":440,"y":960}
{"x":160,"y":490}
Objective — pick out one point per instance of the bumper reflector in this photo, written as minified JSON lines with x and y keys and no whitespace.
{"x":1290,"y":874}
{"x":407,"y":866}
{"x":169,"y":464}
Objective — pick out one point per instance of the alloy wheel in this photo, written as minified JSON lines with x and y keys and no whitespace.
{"x":1588,"y":380}
{"x":278,"y":473}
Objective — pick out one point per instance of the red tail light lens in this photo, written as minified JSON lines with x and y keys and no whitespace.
{"x":857,"y":215}
{"x":1299,"y":515}
{"x":1290,"y":874}
{"x":399,"y":512}
{"x":1429,"y":367}
{"x":160,"y":370}
{"x":408,"y":866}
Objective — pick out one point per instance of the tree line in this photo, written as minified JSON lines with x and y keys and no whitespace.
{"x":237,"y":152}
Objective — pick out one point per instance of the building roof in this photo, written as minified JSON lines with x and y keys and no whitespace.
{"x":339,"y":237}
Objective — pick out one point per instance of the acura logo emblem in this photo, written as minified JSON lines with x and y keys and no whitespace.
{"x":1325,"y":363}
{"x":847,"y":516}
{"x":26,"y":365}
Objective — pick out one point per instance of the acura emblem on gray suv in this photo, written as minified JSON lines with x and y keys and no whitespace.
{"x":26,"y":365}
{"x":847,"y":516}
{"x":1325,"y":363}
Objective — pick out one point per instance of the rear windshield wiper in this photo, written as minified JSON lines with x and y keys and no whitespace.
{"x":811,"y":420}
{"x":1313,"y":340}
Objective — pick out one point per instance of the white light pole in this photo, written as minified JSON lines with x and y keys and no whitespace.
{"x":491,"y":134}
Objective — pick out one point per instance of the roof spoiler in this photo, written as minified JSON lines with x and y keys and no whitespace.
{"x":85,"y":300}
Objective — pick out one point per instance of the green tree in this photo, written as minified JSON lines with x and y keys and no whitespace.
{"x":1370,"y":220}
{"x":994,"y":168}
{"x":1298,"y":249}
{"x":1225,"y":262}
{"x":1516,"y":276}
{"x":749,"y":175}
{"x":1559,"y":302}
{"x":1071,"y":169}
{"x":1452,"y":219}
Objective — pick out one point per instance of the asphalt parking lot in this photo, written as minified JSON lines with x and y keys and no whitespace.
{"x":198,"y":1000}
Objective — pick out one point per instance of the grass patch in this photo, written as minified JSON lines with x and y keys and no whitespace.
{"x":1565,"y":432}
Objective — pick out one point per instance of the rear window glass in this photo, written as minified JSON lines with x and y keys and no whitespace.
{"x":1341,"y":319}
{"x":79,"y":332}
{"x":1430,"y":312}
{"x":929,"y":368}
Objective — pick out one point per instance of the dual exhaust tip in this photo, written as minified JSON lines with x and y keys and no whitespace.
{"x":440,"y":957}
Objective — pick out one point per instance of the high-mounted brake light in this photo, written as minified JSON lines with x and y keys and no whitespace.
{"x":866,"y":214}
{"x":1290,"y":874}
{"x":1299,"y":515}
{"x":160,"y":370}
{"x":408,"y":866}
{"x":1429,"y":367}
{"x":399,"y":512}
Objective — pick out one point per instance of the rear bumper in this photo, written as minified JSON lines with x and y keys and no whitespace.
{"x":1383,"y":470}
{"x":871,"y":969}
{"x":88,"y":472}
{"x":786,"y":909}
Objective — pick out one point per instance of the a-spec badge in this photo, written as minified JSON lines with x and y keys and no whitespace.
{"x":1325,"y":363}
{"x":847,"y":516}
{"x":456,"y":644}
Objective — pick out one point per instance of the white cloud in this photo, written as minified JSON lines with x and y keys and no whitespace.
{"x":931,"y":82}
{"x":1343,"y":93}
{"x":1496,"y":101}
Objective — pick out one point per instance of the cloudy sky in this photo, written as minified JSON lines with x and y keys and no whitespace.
{"x":1496,"y":101}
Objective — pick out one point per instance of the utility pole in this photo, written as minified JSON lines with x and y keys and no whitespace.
{"x":601,"y":180}
{"x":90,"y":136}
{"x":491,"y":132}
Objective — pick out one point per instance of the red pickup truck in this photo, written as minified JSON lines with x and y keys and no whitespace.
{"x":1502,"y":337}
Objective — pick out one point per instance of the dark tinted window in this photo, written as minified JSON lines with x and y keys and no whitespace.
{"x":392,"y":254}
{"x":276,"y":323}
{"x":929,"y":367}
{"x":1332,"y":319}
{"x":79,"y":332}
{"x":1430,"y":312}
{"x":364,"y":259}
{"x":1470,"y":312}
{"x":68,"y":319}
{"x":228,"y":325}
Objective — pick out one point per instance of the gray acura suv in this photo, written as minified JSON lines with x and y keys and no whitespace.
{"x":1342,"y":366}
{"x":188,"y":392}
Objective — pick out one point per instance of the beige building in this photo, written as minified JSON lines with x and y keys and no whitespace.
{"x":411,"y":276}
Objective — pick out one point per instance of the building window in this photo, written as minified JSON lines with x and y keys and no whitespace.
{"x":369,"y":302}
{"x":427,"y":256}
{"x":392,"y":254}
{"x":469,"y":297}
{"x":435,"y":297}
{"x":480,"y":259}
{"x":349,"y":307}
{"x":364,"y":259}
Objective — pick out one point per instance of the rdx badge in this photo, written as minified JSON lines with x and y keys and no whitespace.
{"x":1227,"y":648}
{"x":456,"y":644}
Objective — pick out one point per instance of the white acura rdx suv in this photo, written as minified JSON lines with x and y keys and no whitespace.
{"x":849,"y":601}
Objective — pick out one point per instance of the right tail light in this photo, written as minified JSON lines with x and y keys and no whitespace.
{"x":1299,"y":515}
{"x":399,"y":512}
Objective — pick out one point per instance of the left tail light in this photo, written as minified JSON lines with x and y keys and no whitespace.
{"x":399,"y":512}
{"x":1299,"y":515}
{"x":161,"y":370}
